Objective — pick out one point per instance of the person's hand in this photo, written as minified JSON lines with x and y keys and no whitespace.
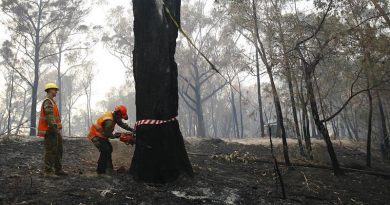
{"x":53,"y":130}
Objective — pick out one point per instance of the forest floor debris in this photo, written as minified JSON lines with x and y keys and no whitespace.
{"x":225,"y":173}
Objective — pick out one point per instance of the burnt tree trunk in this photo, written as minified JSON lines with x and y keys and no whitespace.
{"x":160,"y":154}
{"x":369,"y":129}
{"x":308,"y":75}
{"x":287,"y":67}
{"x":385,"y":146}
{"x":305,"y":124}
{"x":259,"y":95}
{"x":278,"y":108}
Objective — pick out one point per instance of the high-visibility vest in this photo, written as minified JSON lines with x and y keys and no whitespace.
{"x":43,"y":125}
{"x":96,"y":129}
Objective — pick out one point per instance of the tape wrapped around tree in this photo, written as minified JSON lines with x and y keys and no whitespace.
{"x":160,"y":154}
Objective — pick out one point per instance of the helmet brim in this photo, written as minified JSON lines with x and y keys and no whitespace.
{"x":51,"y":88}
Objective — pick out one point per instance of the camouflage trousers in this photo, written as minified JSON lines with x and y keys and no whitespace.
{"x":53,"y":152}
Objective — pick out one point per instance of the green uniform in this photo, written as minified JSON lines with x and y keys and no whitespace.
{"x":52,"y":141}
{"x":104,"y":145}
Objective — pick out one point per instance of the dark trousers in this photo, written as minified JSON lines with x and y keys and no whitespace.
{"x":105,"y":159}
{"x":53,"y":152}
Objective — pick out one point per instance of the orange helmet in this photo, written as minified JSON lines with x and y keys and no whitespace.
{"x":122,"y":111}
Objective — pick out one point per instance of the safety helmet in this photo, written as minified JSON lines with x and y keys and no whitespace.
{"x":122,"y":111}
{"x":51,"y":86}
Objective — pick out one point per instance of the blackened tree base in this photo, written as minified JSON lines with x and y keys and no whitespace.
{"x":160,"y":154}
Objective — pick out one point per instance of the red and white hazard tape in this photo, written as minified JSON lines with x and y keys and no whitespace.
{"x":154,"y":122}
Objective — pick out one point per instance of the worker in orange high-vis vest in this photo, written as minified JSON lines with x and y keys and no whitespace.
{"x":102,"y":131}
{"x":50,"y":127}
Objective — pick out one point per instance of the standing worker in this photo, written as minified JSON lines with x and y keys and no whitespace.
{"x":102,"y":131}
{"x":50,"y":127}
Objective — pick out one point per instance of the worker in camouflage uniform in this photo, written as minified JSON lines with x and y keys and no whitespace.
{"x":50,"y":127}
{"x":102,"y":131}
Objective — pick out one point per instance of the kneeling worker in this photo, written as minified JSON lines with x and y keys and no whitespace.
{"x":102,"y":131}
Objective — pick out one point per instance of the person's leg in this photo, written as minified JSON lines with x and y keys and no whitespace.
{"x":109,"y":161}
{"x":50,"y":152}
{"x":104,"y":156}
{"x":58,"y":159}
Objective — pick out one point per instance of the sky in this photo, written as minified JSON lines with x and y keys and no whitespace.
{"x":109,"y":72}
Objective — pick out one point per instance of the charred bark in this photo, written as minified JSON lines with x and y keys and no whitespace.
{"x":308,"y":74}
{"x":160,"y":154}
{"x":385,"y":146}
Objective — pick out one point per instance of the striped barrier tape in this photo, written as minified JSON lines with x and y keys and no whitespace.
{"x":153,"y":122}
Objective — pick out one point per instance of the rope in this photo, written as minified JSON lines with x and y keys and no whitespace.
{"x":213,"y":67}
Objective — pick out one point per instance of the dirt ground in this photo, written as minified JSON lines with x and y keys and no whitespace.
{"x":225,"y":173}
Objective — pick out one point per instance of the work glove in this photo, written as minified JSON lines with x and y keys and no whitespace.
{"x":96,"y":142}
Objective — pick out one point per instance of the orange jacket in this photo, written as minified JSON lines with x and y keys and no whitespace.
{"x":43,"y":124}
{"x":96,"y":129}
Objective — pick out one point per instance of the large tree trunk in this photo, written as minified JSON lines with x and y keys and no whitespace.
{"x":160,"y":154}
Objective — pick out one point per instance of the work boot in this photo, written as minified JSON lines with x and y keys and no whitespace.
{"x":61,"y":173}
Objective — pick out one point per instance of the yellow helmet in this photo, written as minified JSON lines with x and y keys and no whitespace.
{"x":51,"y":86}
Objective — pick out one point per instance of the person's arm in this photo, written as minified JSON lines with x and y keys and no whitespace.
{"x":48,"y":108}
{"x":121,"y":124}
{"x":108,"y":127}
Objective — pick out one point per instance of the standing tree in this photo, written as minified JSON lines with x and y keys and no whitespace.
{"x":160,"y":154}
{"x":72,"y":91}
{"x":36,"y":22}
{"x":195,"y":88}
{"x":269,"y":64}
